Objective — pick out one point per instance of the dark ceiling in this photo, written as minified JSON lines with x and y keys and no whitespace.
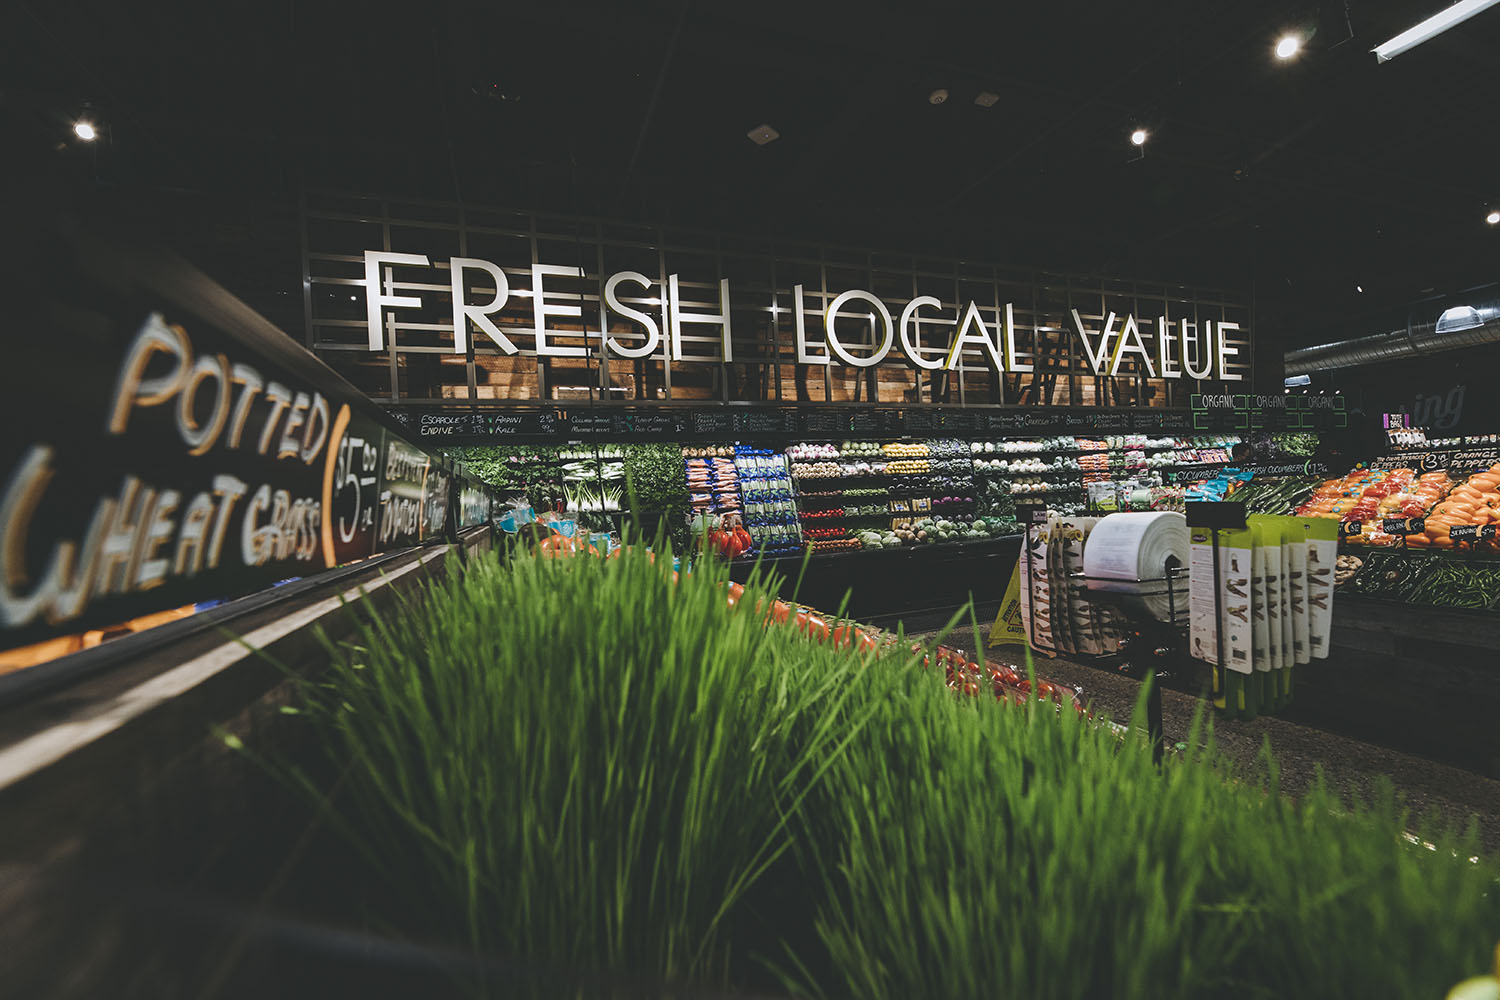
{"x":1305,"y":179}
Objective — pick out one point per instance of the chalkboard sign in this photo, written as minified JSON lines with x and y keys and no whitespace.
{"x":445,"y":425}
{"x":1104,"y":421}
{"x":1308,"y":468}
{"x":961,"y":421}
{"x":1464,"y":532}
{"x":1431,"y":462}
{"x":519,"y":423}
{"x":922,"y":421}
{"x":864,"y":422}
{"x":660,"y":424}
{"x":1466,"y":463}
{"x":1039,"y":421}
{"x":1145,"y":420}
{"x":586,"y":423}
{"x":822,"y":423}
{"x":892,"y":423}
{"x":767,"y":422}
{"x":193,"y":451}
{"x":717,"y":422}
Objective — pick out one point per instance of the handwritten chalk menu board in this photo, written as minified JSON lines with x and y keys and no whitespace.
{"x":583,"y":423}
{"x":661,"y":424}
{"x":1108,"y":421}
{"x":1470,"y":461}
{"x":715,"y":423}
{"x":865,"y":423}
{"x":501,"y":424}
{"x":765,"y":422}
{"x":825,"y":422}
{"x":191,"y":452}
{"x":923,"y":421}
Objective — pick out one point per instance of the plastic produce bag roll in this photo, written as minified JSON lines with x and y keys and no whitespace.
{"x":1128,"y":553}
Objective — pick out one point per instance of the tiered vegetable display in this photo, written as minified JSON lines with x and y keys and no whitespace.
{"x":657,"y":485}
{"x":770,"y":512}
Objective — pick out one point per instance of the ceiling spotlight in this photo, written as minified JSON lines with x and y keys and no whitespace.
{"x":1493,"y":218}
{"x":85,"y":130}
{"x":762,"y":134}
{"x":937,"y":96}
{"x":1360,"y":289}
{"x":1288,"y":46}
{"x":985,"y":99}
{"x":1138,"y":137}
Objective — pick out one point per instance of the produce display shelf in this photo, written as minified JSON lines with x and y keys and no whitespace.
{"x":1049,"y":489}
{"x":813,"y":522}
{"x":993,"y":542}
{"x":845,"y":476}
{"x":1087,"y":451}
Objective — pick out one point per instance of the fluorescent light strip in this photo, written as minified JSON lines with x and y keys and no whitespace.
{"x":1434,"y":25}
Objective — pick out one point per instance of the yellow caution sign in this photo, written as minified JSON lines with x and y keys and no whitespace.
{"x":1009,"y":628}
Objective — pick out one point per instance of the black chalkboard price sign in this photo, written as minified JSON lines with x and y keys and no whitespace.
{"x":661,"y":424}
{"x":585,"y":423}
{"x":438,"y":426}
{"x":922,"y":421}
{"x":763,"y":422}
{"x":715,"y":422}
{"x":961,"y":421}
{"x":825,"y":422}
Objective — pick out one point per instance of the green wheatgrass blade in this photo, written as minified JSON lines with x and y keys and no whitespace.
{"x":582,"y":766}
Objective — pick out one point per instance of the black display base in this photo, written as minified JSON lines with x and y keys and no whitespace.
{"x":910,"y":581}
{"x":1420,"y":680}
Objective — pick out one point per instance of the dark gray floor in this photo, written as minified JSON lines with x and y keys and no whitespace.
{"x":1352,"y":766}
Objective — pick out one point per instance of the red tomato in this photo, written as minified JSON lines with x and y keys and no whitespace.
{"x":815,"y":627}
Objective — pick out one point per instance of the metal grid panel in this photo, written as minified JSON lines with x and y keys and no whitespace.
{"x":417,"y":362}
